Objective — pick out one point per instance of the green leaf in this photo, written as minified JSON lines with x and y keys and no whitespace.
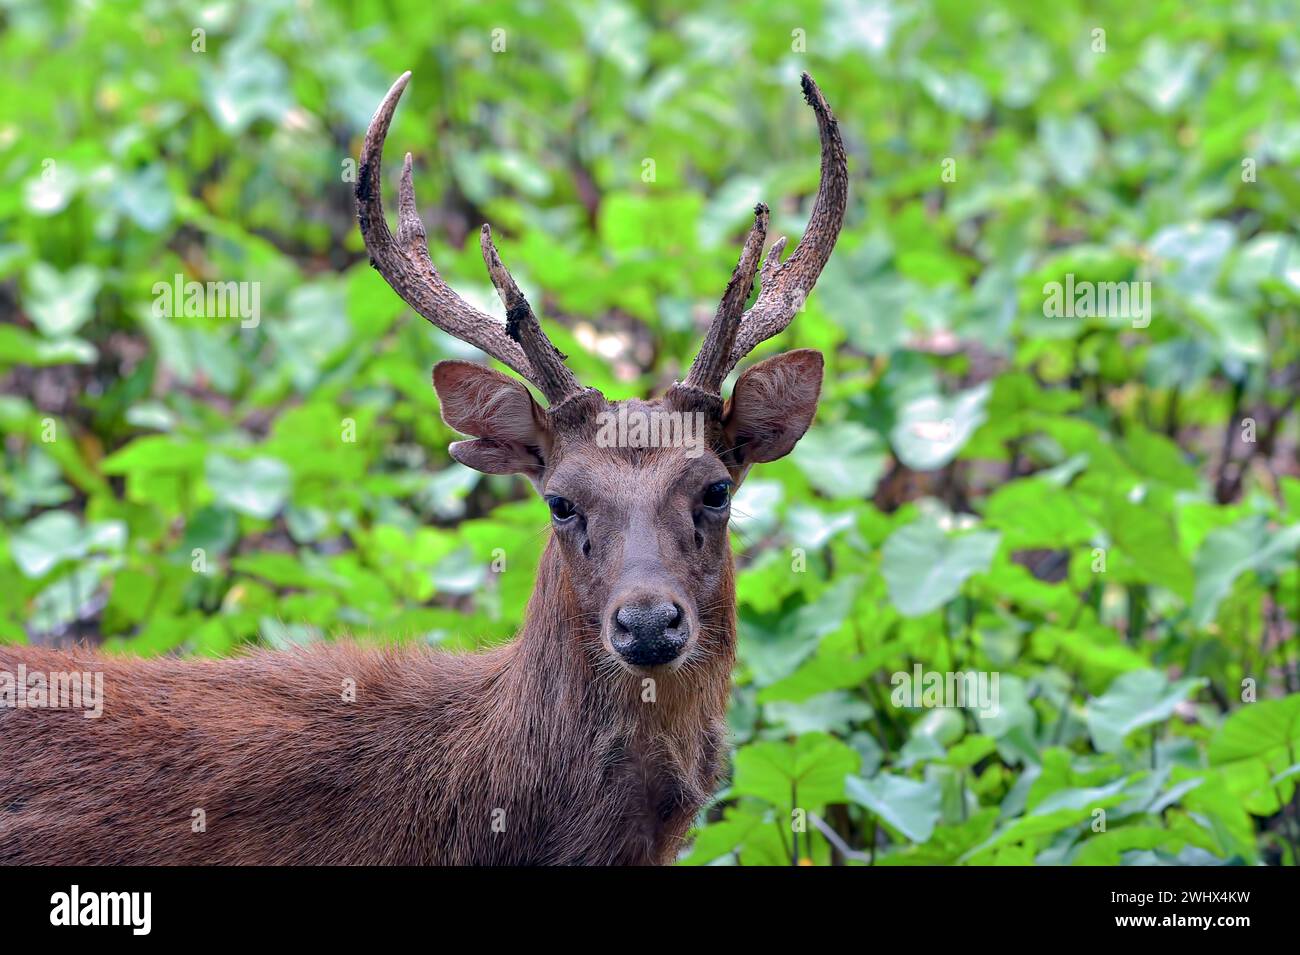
{"x":1137,"y":699}
{"x":63,"y":601}
{"x":1155,"y":456}
{"x":56,"y":536}
{"x":1267,"y":730}
{"x":634,"y":225}
{"x":20,"y":347}
{"x":1166,"y":73}
{"x":1106,"y":848}
{"x":60,"y":303}
{"x":213,"y":529}
{"x":156,"y":453}
{"x":765,"y":584}
{"x":947,"y":843}
{"x":286,"y":570}
{"x":834,"y":712}
{"x":931,"y":429}
{"x":1036,"y":513}
{"x":904,"y":804}
{"x":1072,"y":146}
{"x":1229,"y":823}
{"x":246,"y":84}
{"x":925,"y":568}
{"x":1193,"y":252}
{"x":956,"y":91}
{"x":1229,"y":552}
{"x":1098,"y":652}
{"x":970,"y":750}
{"x":258,"y":487}
{"x":806,"y":774}
{"x":731,"y":833}
{"x":832,"y":668}
{"x":774,"y":647}
{"x":1147,"y":539}
{"x":145,"y":198}
{"x":1060,"y":811}
{"x":841,"y":460}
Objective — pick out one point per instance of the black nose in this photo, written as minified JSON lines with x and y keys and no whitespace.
{"x":649,"y":634}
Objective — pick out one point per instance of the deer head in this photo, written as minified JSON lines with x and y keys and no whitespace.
{"x":640,"y":521}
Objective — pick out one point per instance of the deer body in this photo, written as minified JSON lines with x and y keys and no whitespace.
{"x":512,"y":756}
{"x":593,"y":738}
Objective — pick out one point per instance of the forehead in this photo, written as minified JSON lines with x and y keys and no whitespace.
{"x":633,"y":448}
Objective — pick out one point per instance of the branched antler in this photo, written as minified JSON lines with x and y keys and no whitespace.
{"x":521,"y":343}
{"x":785,"y":285}
{"x":713,"y":361}
{"x":552,"y":375}
{"x":405,"y":264}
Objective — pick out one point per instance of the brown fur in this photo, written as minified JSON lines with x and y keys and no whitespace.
{"x":550,"y":750}
{"x":411,"y":772}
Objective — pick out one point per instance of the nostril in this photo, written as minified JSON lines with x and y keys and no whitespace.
{"x":625,"y":619}
{"x":661,"y":618}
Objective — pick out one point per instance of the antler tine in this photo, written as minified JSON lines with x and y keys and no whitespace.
{"x":405,"y":263}
{"x":773,"y":261}
{"x":786,"y":285}
{"x":712,"y":363}
{"x":553,"y":377}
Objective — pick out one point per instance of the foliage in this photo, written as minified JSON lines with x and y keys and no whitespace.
{"x":1101,"y":512}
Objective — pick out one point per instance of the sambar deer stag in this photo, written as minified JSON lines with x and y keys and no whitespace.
{"x":594,"y":737}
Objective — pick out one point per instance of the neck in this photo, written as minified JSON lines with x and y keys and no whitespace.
{"x":638,"y":754}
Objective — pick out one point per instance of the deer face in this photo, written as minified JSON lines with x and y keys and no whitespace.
{"x":640,"y":522}
{"x":639,"y":491}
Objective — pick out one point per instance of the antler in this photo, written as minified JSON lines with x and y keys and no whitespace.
{"x":405,"y":264}
{"x":713,"y":361}
{"x":785,"y":285}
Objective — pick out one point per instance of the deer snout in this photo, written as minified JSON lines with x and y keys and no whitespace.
{"x":649,"y":633}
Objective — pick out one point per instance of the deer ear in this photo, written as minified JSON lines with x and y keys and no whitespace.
{"x":771,"y":407}
{"x":512,"y":436}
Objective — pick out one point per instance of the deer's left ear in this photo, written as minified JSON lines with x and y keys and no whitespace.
{"x":771,"y":407}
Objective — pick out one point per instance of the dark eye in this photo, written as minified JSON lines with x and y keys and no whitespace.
{"x":717,"y":496}
{"x":562,"y":508}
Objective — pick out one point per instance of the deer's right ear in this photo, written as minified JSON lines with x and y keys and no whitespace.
{"x":509,"y":427}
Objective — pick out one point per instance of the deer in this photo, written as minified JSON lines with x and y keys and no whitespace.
{"x":594,"y":737}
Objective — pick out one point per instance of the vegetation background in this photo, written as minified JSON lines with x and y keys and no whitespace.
{"x":1105,"y":516}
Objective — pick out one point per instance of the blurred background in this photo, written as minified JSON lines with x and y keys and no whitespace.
{"x":1102,"y":512}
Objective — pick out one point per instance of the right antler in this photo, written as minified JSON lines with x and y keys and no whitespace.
{"x":405,"y":264}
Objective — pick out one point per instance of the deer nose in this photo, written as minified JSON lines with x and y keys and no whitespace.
{"x":649,"y":634}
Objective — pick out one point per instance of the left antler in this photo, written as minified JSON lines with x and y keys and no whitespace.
{"x":785,"y":285}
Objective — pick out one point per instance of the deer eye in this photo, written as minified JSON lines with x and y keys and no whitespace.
{"x":717,"y":496}
{"x":562,"y":509}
